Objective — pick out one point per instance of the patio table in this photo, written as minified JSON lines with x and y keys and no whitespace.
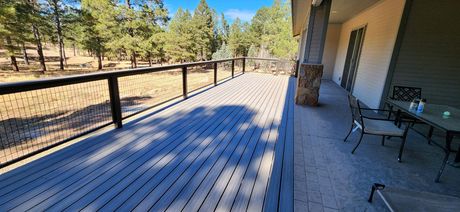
{"x":433,"y":116}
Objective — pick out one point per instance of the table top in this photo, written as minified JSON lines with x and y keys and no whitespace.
{"x":433,"y":115}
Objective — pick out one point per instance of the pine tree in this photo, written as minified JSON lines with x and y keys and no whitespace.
{"x":238,"y":39}
{"x":179,"y":45}
{"x":225,"y":28}
{"x":204,"y":31}
{"x":55,"y":10}
{"x":152,"y":18}
{"x":96,"y":20}
{"x":271,"y":29}
{"x":36,"y":20}
{"x":14,"y":27}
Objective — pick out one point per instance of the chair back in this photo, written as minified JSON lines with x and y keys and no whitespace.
{"x":355,"y":109}
{"x":407,"y":94}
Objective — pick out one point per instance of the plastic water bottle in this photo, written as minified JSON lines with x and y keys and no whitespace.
{"x":413,"y":105}
{"x":421,"y":106}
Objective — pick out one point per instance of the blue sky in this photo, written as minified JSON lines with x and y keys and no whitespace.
{"x":243,"y":9}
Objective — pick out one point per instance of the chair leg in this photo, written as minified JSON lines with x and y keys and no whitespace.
{"x":359,"y":142}
{"x":383,"y":140}
{"x":430,"y":134}
{"x":401,"y":148}
{"x":349,"y":132}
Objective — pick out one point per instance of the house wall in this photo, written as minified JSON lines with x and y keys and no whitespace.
{"x":330,"y":49}
{"x":303,"y":40}
{"x":382,"y":21}
{"x":429,"y":56}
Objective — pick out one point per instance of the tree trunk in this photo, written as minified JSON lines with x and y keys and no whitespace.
{"x":74,"y":50}
{"x":59,"y":33}
{"x":99,"y":60}
{"x":133,"y":60}
{"x":38,"y":41}
{"x":14,"y":63}
{"x":150,"y":59}
{"x":63,"y":51}
{"x":24,"y":51}
{"x":10,"y":47}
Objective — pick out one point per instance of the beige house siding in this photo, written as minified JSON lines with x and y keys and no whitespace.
{"x":429,"y":56}
{"x":330,"y":49}
{"x":382,"y":21}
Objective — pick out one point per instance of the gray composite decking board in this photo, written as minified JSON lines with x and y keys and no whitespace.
{"x":247,"y":185}
{"x":35,"y":182}
{"x":273,"y":190}
{"x":220,"y":172}
{"x":107,"y":194}
{"x":261,"y":181}
{"x":154,"y":196}
{"x":40,"y":164}
{"x":160,"y":204}
{"x":199,"y":186}
{"x":188,"y":190}
{"x":182,"y":157}
{"x":286,"y":200}
{"x":224,"y":194}
{"x":102,"y":180}
{"x":89,"y":175}
{"x":63,"y":152}
{"x":167,"y":173}
{"x":41,"y":170}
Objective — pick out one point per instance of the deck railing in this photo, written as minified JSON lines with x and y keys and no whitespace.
{"x":41,"y":114}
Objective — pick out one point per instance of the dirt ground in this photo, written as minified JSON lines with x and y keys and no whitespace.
{"x":79,"y":63}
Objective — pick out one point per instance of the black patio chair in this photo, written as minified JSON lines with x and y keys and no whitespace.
{"x":374,"y":125}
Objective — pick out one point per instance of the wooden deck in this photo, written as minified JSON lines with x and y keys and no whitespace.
{"x":227,"y":148}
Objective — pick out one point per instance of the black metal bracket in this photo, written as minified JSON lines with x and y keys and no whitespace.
{"x":233,"y":68}
{"x":215,"y":73}
{"x":375,"y":187}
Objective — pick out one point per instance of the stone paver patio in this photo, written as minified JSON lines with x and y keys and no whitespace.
{"x":327,"y":177}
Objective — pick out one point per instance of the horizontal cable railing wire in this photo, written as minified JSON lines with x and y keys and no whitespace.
{"x":38,"y":115}
{"x":143,"y":91}
{"x":200,"y":76}
{"x":33,"y":120}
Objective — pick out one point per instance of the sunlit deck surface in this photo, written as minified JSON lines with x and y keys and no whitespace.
{"x":227,"y":148}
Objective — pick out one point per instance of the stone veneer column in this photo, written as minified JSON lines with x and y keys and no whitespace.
{"x":308,"y":83}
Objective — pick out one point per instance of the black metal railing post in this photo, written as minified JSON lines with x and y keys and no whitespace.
{"x":115,"y":103}
{"x":296,"y":71}
{"x":184,"y":82}
{"x":233,"y":68}
{"x":244,"y":65}
{"x":215,"y":73}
